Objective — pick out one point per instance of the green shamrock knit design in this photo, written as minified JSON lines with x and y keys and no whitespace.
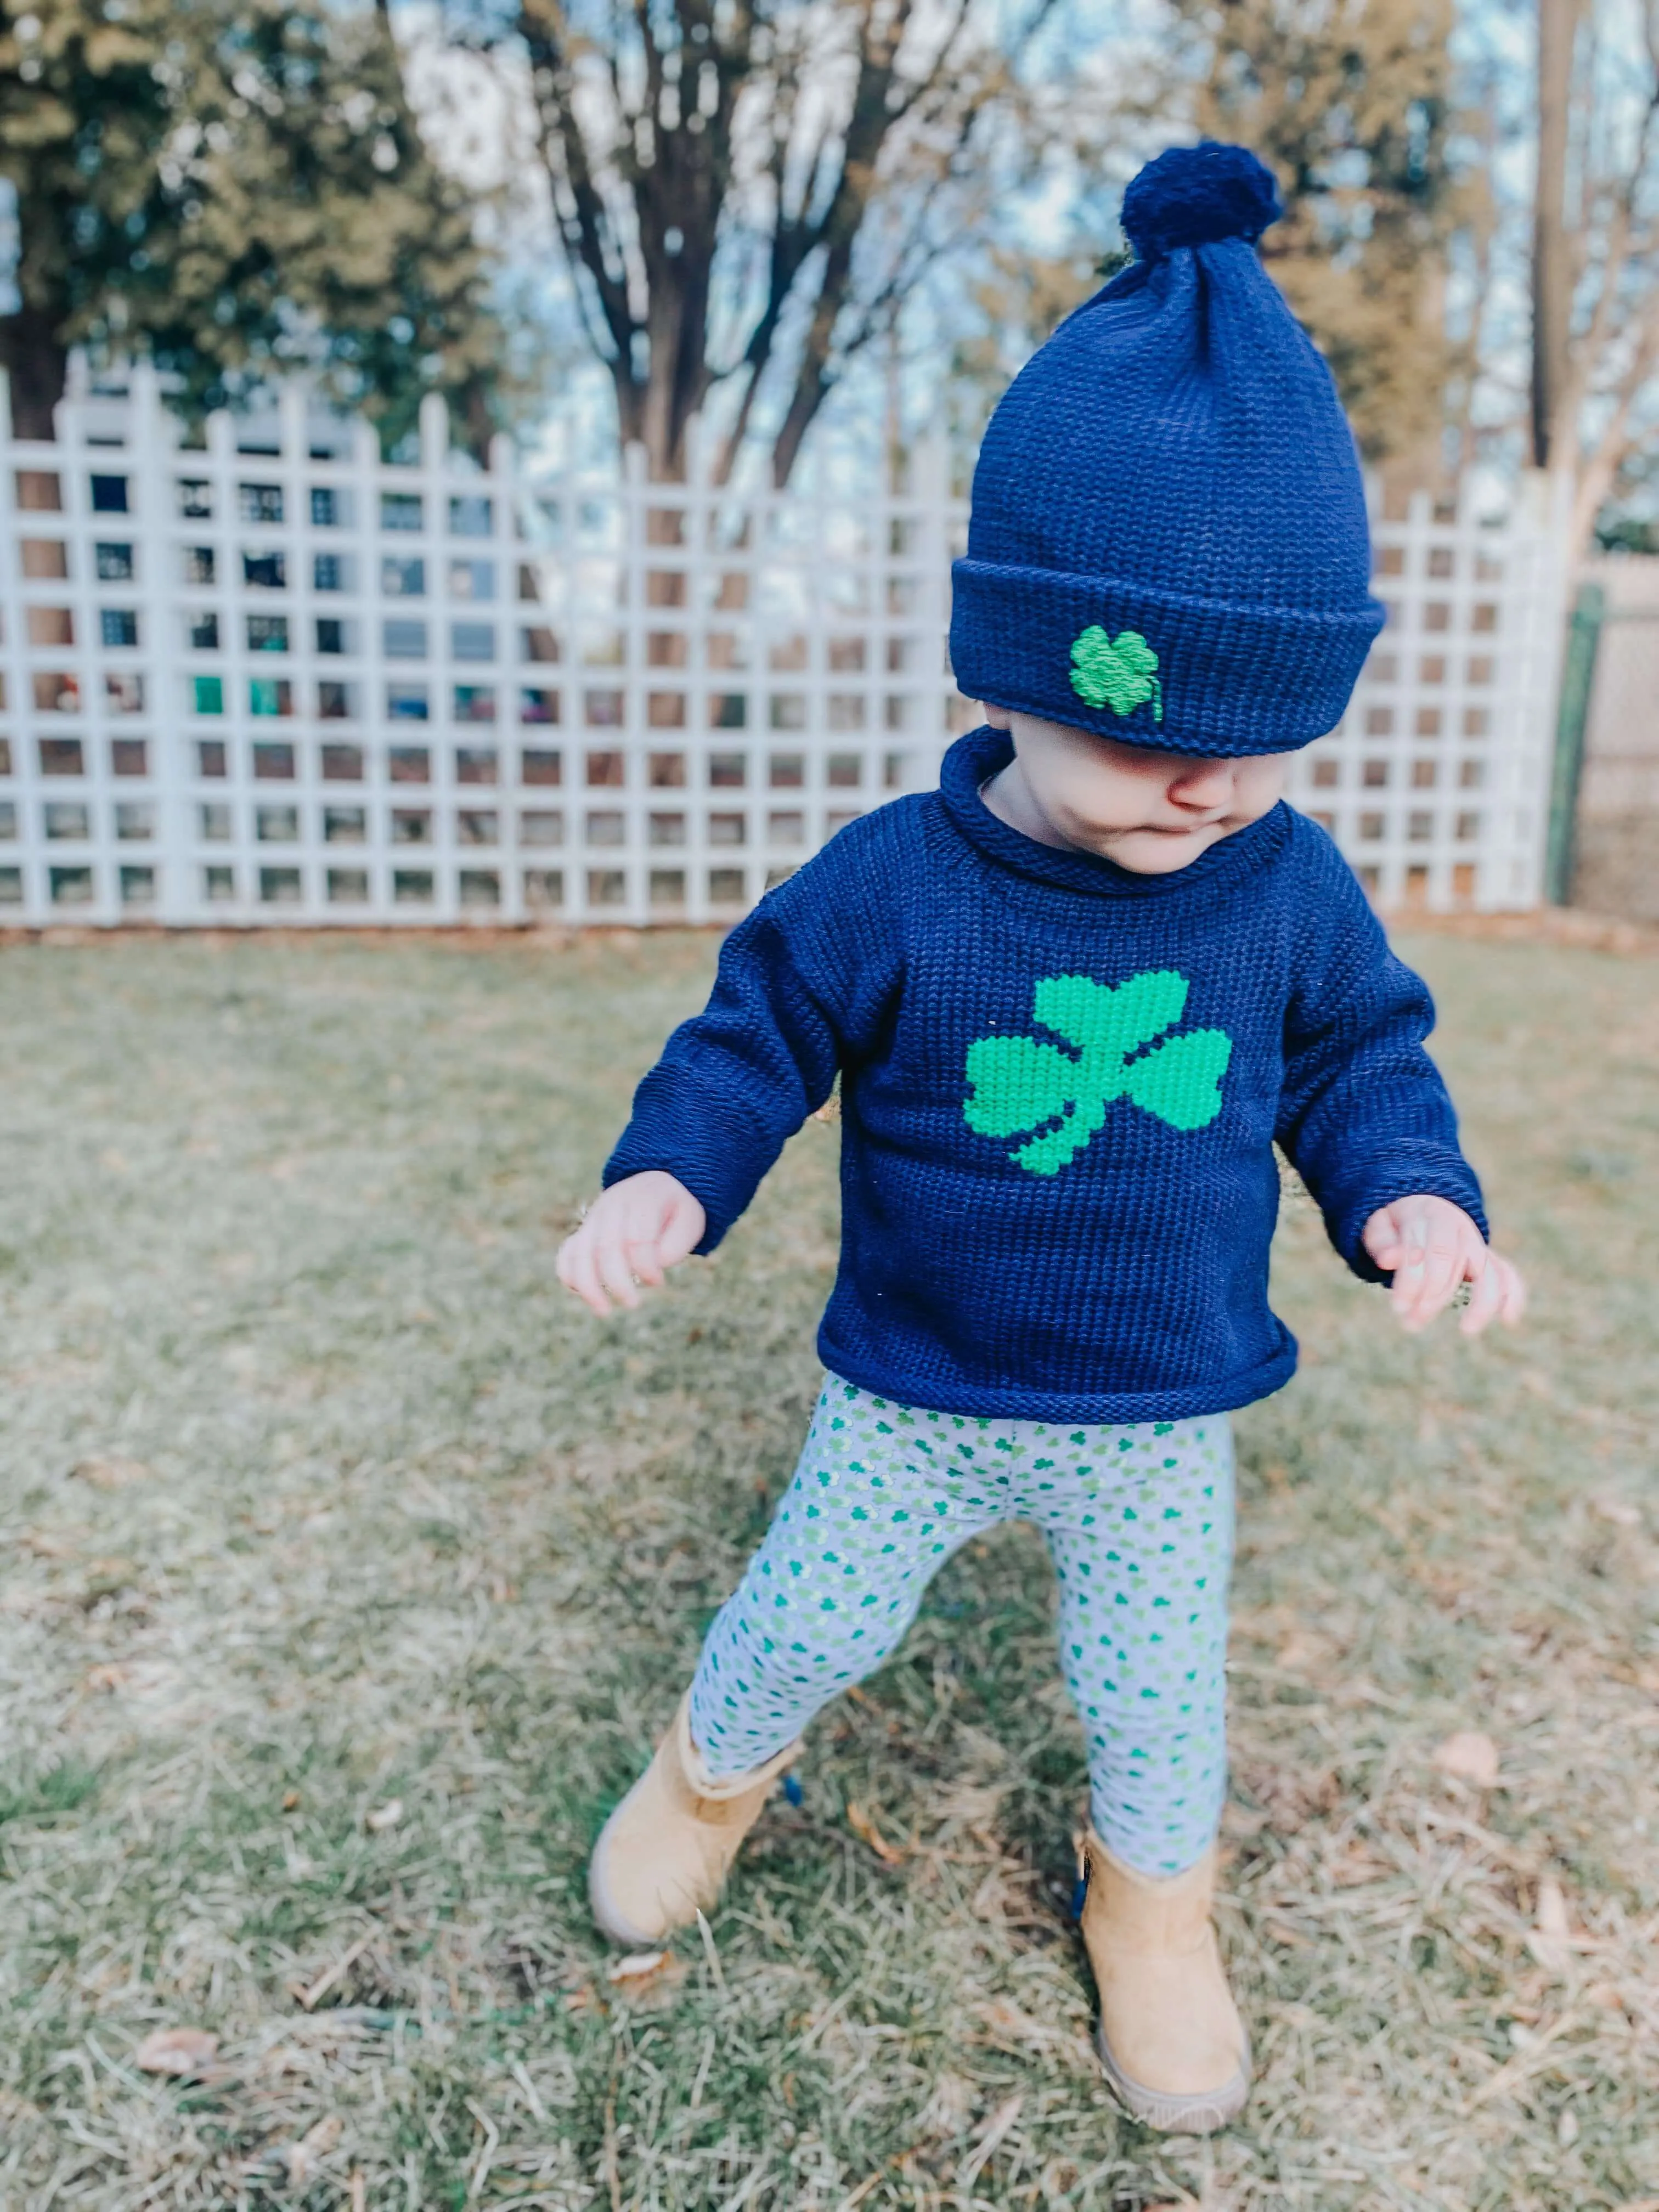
{"x":1018,"y":1083}
{"x":1118,"y":672}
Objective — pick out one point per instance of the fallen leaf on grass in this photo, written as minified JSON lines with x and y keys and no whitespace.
{"x":637,"y":1966}
{"x":867,"y":1830}
{"x":385,"y":1816}
{"x":113,"y":1474}
{"x":181,"y":2050}
{"x":642,"y":1985}
{"x":1469,"y":1756}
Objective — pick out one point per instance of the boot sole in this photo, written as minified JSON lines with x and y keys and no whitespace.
{"x":1197,"y":2112}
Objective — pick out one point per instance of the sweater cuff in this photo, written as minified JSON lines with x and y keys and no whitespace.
{"x":719,"y":1156}
{"x":1409,"y":1174}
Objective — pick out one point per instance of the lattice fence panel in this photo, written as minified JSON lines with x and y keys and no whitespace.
{"x":274,"y":679}
{"x":1436,"y":785}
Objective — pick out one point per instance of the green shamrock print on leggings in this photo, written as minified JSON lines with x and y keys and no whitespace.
{"x":1019,"y":1083}
{"x":1119,"y":672}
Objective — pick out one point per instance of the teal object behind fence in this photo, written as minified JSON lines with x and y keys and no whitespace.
{"x":1578,"y":680}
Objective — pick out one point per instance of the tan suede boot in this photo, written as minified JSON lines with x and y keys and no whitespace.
{"x":1171,"y":2038}
{"x":665,"y":1852}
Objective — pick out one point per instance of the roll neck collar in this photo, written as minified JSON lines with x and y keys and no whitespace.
{"x":973,"y":760}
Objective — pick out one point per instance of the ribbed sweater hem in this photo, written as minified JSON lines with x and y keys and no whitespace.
{"x":931,"y":1393}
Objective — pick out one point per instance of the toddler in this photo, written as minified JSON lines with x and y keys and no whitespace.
{"x":1074,"y":998}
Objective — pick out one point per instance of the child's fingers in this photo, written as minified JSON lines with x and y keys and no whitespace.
{"x":644,"y":1262}
{"x":1410,"y":1260}
{"x":1486,"y":1298}
{"x":1381,"y":1238}
{"x":1513,"y":1291}
{"x":632,"y":1232}
{"x":1431,"y":1247}
{"x":577,"y":1272}
{"x":1434,"y":1267}
{"x":682,"y":1233}
{"x":610,"y":1257}
{"x":642,"y":1243}
{"x":654,"y":1239}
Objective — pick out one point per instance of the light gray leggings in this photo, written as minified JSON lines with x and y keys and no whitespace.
{"x":1139,"y":1520}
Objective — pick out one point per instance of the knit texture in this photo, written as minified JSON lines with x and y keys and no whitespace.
{"x":1168,"y":541}
{"x":1061,"y":1083}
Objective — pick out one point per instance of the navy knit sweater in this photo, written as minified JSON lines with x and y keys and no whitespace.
{"x":1061,"y":1083}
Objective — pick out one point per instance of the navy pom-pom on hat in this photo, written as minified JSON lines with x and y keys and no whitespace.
{"x":1168,"y":542}
{"x":1197,"y":194}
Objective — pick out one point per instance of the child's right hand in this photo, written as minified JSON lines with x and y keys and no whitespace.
{"x":629,"y":1235}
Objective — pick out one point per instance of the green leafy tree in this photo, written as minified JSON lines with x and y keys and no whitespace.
{"x":235,"y":192}
{"x":1351,"y":103}
{"x":86,"y":94}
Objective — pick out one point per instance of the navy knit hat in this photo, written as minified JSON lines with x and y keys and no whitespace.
{"x":1168,"y":541}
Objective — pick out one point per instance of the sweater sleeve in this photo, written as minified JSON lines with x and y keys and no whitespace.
{"x":803,"y":989}
{"x":1364,"y":1116}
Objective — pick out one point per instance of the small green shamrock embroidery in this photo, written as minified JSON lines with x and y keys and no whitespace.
{"x":1019,"y":1083}
{"x":1117,"y":672}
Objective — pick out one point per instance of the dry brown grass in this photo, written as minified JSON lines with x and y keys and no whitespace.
{"x":318,"y":1502}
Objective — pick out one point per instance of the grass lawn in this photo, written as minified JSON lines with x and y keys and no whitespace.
{"x":348,"y":1569}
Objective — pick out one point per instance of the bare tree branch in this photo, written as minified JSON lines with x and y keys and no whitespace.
{"x":749,"y":189}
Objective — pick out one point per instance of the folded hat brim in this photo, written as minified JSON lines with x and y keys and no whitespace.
{"x":1226,"y":677}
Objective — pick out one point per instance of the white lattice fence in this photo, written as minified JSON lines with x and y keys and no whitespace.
{"x":1436,"y":784}
{"x":273,"y":679}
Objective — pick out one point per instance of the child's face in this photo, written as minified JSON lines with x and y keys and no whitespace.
{"x":1151,"y":812}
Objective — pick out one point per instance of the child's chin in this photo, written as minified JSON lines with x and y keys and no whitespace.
{"x":1157,"y":853}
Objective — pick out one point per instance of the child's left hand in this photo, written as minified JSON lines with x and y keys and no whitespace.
{"x":1431,"y":1247}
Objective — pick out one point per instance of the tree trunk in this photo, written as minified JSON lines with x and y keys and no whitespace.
{"x":37,"y":362}
{"x":1551,"y":259}
{"x":677,"y":378}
